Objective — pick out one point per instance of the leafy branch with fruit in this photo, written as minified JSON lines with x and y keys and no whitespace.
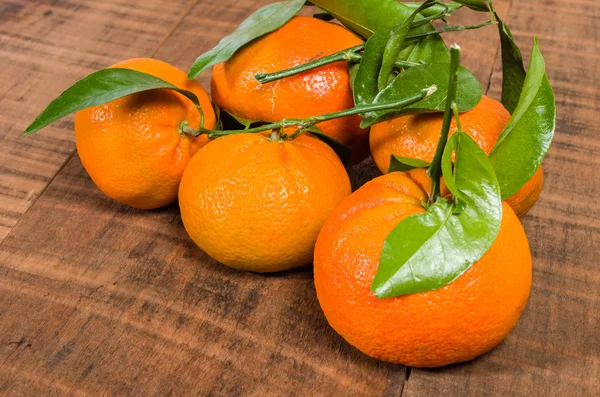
{"x":425,"y":265}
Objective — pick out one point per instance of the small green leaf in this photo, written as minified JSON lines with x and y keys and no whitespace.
{"x":342,"y":151}
{"x":399,"y":163}
{"x":365,"y":86}
{"x":413,"y":80}
{"x":395,"y":43}
{"x":431,"y":49}
{"x":429,"y":250}
{"x":526,"y":139}
{"x":247,"y":123}
{"x":477,"y":5}
{"x":99,"y":88}
{"x":513,"y":71}
{"x":264,"y":20}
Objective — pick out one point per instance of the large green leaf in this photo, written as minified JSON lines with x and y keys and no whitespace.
{"x":528,"y":135}
{"x":415,"y":79}
{"x":264,"y":20}
{"x":429,"y":250}
{"x":364,"y":17}
{"x":99,"y":88}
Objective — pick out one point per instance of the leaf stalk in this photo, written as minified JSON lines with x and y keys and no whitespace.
{"x":354,"y":55}
{"x":304,"y":124}
{"x":435,"y":169}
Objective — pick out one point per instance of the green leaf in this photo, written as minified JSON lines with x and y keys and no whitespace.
{"x":429,"y":250}
{"x":399,"y":163}
{"x":513,"y":71}
{"x":364,"y":17}
{"x":99,"y":88}
{"x":431,"y":49}
{"x":365,"y":87}
{"x":246,"y":123}
{"x":342,"y":151}
{"x":264,"y":20}
{"x":527,"y":137}
{"x":477,"y":5}
{"x":415,"y":79}
{"x":353,"y":71}
{"x":395,"y":43}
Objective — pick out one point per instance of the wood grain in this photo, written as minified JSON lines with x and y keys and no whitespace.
{"x":45,"y":46}
{"x":133,"y":306}
{"x":555,"y":348}
{"x":97,"y":298}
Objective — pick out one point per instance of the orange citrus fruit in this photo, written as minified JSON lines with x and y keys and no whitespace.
{"x":525,"y":198}
{"x":416,"y":136}
{"x":322,"y":90}
{"x":255,"y":202}
{"x":132,"y":148}
{"x":455,"y":323}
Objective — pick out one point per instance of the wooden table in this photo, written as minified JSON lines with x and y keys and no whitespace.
{"x":97,"y":298}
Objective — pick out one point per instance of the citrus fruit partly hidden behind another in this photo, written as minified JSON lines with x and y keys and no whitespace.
{"x":455,"y":323}
{"x":257,"y":203}
{"x":131,"y":147}
{"x":322,"y":90}
{"x":416,"y":136}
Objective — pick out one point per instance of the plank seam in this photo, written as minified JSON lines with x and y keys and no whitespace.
{"x":405,"y":384}
{"x":185,"y":12}
{"x":62,"y":166}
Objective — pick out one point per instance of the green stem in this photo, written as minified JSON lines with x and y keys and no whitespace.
{"x":357,"y":57}
{"x":344,"y":55}
{"x":456,"y":116}
{"x":353,"y":55}
{"x":303,"y":124}
{"x":449,"y":29}
{"x":435,"y":169}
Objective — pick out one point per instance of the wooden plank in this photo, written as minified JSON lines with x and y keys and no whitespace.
{"x":97,"y":297}
{"x":555,"y":348}
{"x":44,"y":48}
